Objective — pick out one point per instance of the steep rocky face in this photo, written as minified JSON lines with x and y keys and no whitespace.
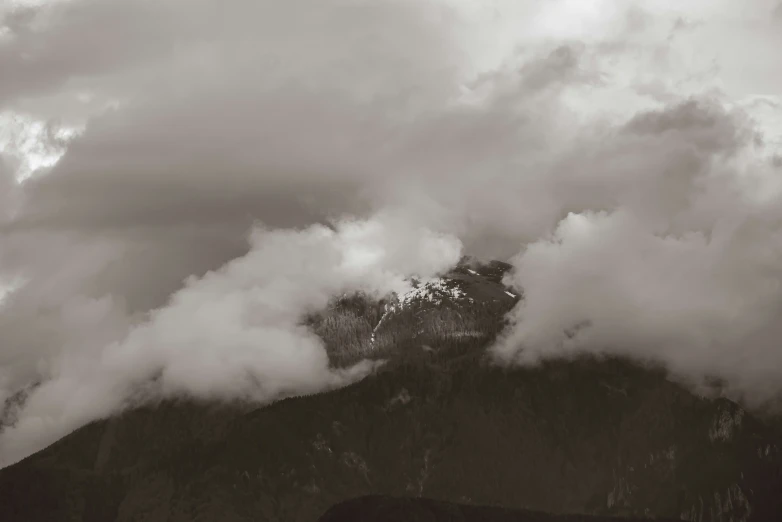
{"x":468,"y":303}
{"x":604,"y":437}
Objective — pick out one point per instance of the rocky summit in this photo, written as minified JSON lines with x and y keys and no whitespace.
{"x":603,"y":437}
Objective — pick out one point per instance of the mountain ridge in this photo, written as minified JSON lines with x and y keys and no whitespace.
{"x":598,"y":436}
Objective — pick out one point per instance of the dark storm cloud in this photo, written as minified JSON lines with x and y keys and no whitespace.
{"x":238,"y":112}
{"x":53,"y":45}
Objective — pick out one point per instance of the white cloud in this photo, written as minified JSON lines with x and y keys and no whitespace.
{"x":234,"y":333}
{"x":7,"y":288}
{"x":682,"y":267}
{"x":32,"y":145}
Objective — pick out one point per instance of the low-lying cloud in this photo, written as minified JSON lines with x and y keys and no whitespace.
{"x":625,"y":157}
{"x":235,"y":333}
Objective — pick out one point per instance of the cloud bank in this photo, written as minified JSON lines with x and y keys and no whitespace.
{"x":233,"y":334}
{"x":624,"y":155}
{"x":683,"y":267}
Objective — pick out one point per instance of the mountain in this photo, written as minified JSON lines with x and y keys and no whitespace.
{"x":593,"y":436}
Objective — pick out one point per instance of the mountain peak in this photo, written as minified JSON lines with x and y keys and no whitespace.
{"x":467,"y":302}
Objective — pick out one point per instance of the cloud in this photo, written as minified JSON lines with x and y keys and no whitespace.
{"x":7,"y":187}
{"x":624,"y":155}
{"x":233,"y":334}
{"x":32,"y":145}
{"x":680,"y":268}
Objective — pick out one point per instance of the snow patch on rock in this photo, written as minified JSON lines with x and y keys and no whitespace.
{"x":725,"y":425}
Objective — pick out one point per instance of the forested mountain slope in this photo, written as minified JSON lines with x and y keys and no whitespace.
{"x":604,"y":437}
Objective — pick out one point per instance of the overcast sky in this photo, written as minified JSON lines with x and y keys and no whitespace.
{"x":165,"y":164}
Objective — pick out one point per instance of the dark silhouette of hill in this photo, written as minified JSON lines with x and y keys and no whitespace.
{"x":375,"y":508}
{"x":593,"y":436}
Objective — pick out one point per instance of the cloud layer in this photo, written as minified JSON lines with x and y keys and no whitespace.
{"x":625,"y":155}
{"x":232,"y":334}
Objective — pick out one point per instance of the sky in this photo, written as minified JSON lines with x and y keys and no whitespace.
{"x":182,"y":180}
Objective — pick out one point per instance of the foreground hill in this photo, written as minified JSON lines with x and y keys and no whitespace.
{"x":603,"y":437}
{"x":388,"y":509}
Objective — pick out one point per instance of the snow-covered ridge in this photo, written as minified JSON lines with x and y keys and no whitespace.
{"x":434,"y":291}
{"x":461,"y":287}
